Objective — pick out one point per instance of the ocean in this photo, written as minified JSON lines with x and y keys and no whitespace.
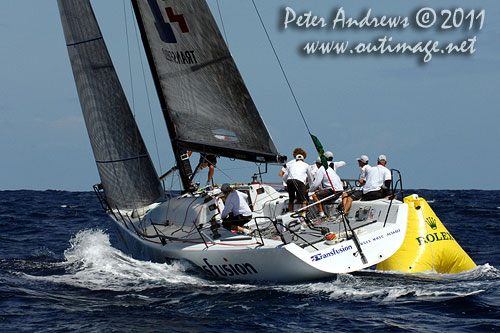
{"x":62,"y":269}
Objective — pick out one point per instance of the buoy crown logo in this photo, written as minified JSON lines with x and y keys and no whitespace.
{"x":431,"y":222}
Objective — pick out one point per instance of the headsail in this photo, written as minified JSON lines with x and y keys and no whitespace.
{"x":127,"y":173}
{"x":204,"y":99}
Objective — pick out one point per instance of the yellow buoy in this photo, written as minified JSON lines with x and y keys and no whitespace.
{"x":428,"y":246}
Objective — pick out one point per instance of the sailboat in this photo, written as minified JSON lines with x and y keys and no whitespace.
{"x":207,"y":110}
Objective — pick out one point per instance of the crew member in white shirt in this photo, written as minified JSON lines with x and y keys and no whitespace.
{"x":323,"y":183}
{"x":384,"y":175}
{"x":282,"y":172}
{"x":375,"y":184}
{"x":334,"y":165}
{"x":315,"y":167}
{"x":347,"y":199}
{"x":297,"y":174}
{"x":236,"y":211}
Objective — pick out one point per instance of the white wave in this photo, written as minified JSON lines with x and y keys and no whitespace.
{"x":91,"y":262}
{"x":402,"y":288}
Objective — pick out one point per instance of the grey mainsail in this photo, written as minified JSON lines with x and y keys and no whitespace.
{"x":205,"y":102}
{"x":127,"y":173}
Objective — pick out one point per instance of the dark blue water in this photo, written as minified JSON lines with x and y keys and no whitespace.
{"x":60,"y":270}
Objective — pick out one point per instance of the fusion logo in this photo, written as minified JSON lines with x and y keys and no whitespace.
{"x":228,"y":269}
{"x":165,"y":29}
{"x":318,"y":257}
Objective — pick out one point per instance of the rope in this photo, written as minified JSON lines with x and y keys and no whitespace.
{"x":255,"y":200}
{"x":129,"y":58}
{"x":287,"y":81}
{"x":281,"y":66}
{"x":222,"y":23}
{"x":147,"y":95}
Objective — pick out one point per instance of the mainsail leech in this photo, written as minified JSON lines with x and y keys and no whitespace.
{"x":205,"y":102}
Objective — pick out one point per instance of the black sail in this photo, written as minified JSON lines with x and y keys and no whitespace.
{"x":125,"y":167}
{"x":205,"y":102}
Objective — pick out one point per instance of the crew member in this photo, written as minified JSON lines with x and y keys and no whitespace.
{"x":297,"y":174}
{"x":325,"y":179}
{"x":210,"y":161}
{"x":236,"y":211}
{"x":334,"y":165}
{"x":347,"y":199}
{"x":375,"y":180}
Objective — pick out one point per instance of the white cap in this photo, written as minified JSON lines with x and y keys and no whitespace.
{"x":382,"y":158}
{"x":329,"y":156}
{"x":299,"y":157}
{"x":225,"y":188}
{"x":363,"y":158}
{"x":318,"y":160}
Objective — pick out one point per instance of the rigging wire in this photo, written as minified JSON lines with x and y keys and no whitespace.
{"x":137,"y":133}
{"x":281,"y":66}
{"x":222,"y":23}
{"x":129,"y":58}
{"x":147,"y":91}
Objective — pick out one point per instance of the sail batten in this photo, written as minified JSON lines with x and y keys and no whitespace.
{"x":124,"y":165}
{"x":205,"y":101}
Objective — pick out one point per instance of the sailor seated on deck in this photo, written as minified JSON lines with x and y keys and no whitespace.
{"x":375,"y":182}
{"x":236,"y":211}
{"x":325,"y":181}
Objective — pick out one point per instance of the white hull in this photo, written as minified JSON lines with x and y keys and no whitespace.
{"x":241,"y":257}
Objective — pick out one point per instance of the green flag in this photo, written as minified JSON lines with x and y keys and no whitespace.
{"x":321,"y":151}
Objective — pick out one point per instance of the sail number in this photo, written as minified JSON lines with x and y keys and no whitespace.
{"x":451,"y":19}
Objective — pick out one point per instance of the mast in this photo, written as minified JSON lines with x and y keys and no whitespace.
{"x":181,"y":158}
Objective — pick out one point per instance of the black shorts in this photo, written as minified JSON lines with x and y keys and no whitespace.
{"x":210,"y":159}
{"x":238,"y":220}
{"x":321,"y":194}
{"x":373,"y":195}
{"x":356,"y":194}
{"x":296,"y":189}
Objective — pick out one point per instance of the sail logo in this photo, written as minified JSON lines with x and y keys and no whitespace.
{"x":165,"y":29}
{"x":333,"y":252}
{"x":431,"y":222}
{"x":228,"y":270}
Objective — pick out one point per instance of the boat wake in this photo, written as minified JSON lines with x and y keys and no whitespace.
{"x":92,"y":263}
{"x":397,"y":287}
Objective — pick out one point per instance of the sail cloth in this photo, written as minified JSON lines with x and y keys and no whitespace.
{"x":127,"y":173}
{"x":206,"y":104}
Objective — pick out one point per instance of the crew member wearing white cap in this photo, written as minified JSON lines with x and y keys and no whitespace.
{"x":325,"y":181}
{"x":347,"y":199}
{"x":334,"y":165}
{"x":375,"y":184}
{"x":384,"y":174}
{"x":296,"y":175}
{"x":315,"y":167}
{"x":236,"y":211}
